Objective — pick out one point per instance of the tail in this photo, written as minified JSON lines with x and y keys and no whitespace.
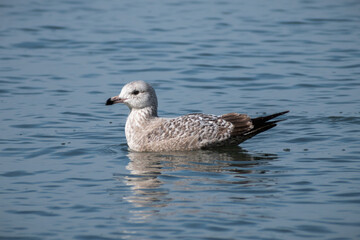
{"x":261,"y":124}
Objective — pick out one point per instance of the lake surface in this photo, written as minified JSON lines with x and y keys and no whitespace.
{"x":66,"y":171}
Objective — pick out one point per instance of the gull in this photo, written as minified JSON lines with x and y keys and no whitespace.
{"x":145,"y":131}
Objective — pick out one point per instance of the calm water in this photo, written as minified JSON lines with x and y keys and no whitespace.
{"x":65,"y":169}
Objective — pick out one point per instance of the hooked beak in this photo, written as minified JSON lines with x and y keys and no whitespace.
{"x":114,"y":100}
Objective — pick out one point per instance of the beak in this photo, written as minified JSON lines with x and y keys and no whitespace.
{"x":114,"y":100}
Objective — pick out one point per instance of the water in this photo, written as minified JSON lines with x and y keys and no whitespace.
{"x":65,"y":169}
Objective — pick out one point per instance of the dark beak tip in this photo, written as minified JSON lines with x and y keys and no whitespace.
{"x":109,"y":102}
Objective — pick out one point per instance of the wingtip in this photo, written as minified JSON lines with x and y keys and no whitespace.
{"x":278,"y":114}
{"x":261,"y":129}
{"x":264,"y":119}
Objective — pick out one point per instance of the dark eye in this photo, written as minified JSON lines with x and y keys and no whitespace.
{"x":135,"y":92}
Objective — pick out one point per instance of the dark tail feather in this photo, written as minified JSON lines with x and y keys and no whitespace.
{"x":262,"y":120}
{"x":261,"y":124}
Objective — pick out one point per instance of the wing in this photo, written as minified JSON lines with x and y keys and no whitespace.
{"x":245,"y":127}
{"x":199,"y":130}
{"x":241,"y":122}
{"x":195,"y":131}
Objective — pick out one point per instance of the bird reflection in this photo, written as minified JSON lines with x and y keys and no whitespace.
{"x":154,"y":175}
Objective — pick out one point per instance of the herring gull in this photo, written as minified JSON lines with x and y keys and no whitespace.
{"x":146,"y":132}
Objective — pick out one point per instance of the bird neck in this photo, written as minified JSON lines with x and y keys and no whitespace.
{"x":137,"y":122}
{"x":140,"y":116}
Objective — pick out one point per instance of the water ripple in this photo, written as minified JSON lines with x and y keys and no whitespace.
{"x":38,"y":213}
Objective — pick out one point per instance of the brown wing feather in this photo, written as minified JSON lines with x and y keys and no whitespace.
{"x":242,"y":123}
{"x":245,"y":127}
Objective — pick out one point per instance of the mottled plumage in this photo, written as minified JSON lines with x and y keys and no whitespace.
{"x":146,"y":132}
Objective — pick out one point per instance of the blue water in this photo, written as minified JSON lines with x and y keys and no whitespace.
{"x":66,"y":171}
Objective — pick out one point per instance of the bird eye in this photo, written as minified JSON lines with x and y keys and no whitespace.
{"x":135,"y":92}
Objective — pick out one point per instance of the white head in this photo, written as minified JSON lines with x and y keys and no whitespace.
{"x":136,"y":95}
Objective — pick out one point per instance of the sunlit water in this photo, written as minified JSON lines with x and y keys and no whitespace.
{"x":66,"y":172}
